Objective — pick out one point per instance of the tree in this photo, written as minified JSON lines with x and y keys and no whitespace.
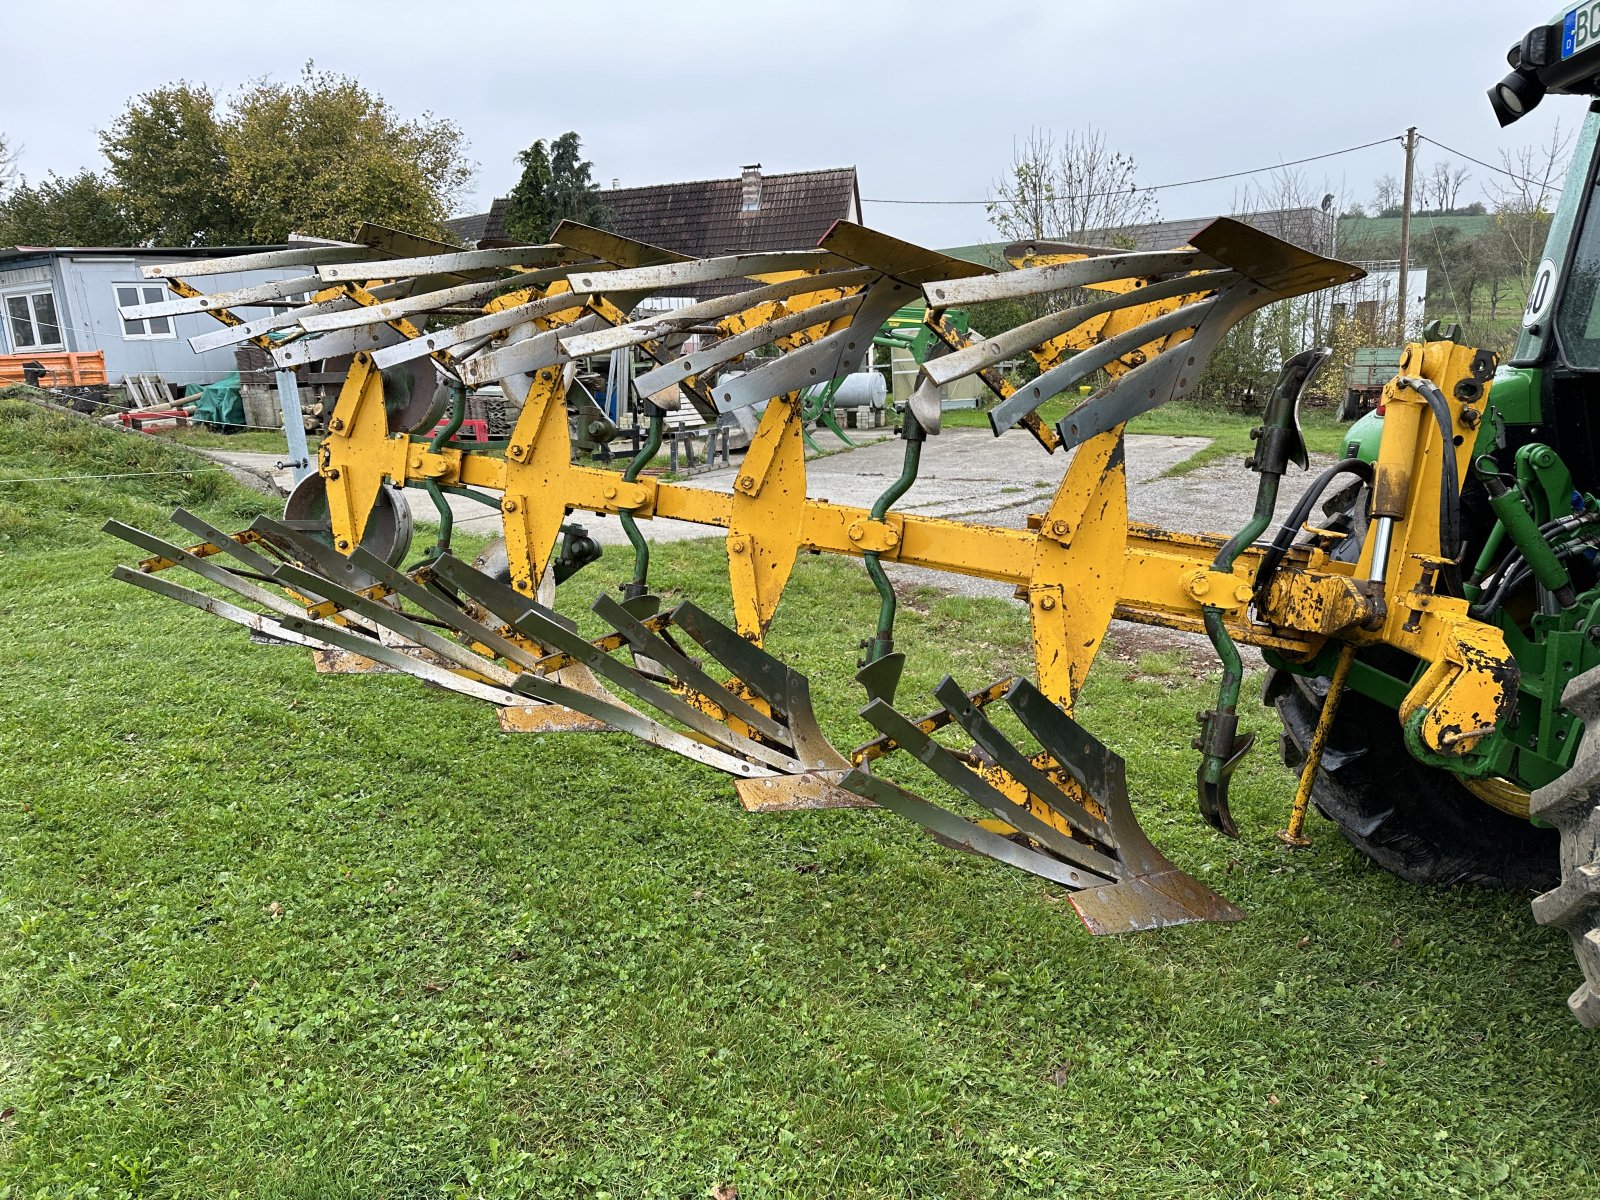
{"x":1441,"y":189}
{"x":317,"y":156}
{"x":1387,"y":197}
{"x":1067,"y":192}
{"x":323,"y":154}
{"x":8,"y":163}
{"x":168,"y":153}
{"x":1245,"y":363}
{"x":80,"y":210}
{"x":554,"y":186}
{"x":1523,"y":194}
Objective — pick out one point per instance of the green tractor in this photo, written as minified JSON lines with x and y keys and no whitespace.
{"x":1530,"y":818}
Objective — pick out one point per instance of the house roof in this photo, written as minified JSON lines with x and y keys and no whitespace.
{"x":704,"y":217}
{"x":1306,"y":227}
{"x":479,"y":227}
{"x":11,"y":253}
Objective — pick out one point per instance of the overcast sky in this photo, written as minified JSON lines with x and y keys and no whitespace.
{"x":924,"y":99}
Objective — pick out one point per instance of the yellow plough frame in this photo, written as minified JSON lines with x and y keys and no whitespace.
{"x":778,"y":324}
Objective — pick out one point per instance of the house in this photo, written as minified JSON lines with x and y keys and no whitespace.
{"x":709,"y":217}
{"x":65,"y":298}
{"x":1310,"y":228}
{"x":1372,"y":302}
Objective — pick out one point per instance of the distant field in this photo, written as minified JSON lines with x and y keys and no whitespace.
{"x":269,"y":934}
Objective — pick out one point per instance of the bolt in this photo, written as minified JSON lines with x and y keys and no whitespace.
{"x":509,"y":506}
{"x":856,"y":532}
{"x":892,"y":538}
{"x":333,"y":473}
{"x":343,"y":543}
{"x":747,"y":481}
{"x":336,"y":424}
{"x":516,"y":452}
{"x":1059,"y":528}
{"x":1047,"y":602}
{"x":736,"y":546}
{"x":610,"y":492}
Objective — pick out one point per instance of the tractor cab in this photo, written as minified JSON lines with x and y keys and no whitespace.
{"x":1544,"y":391}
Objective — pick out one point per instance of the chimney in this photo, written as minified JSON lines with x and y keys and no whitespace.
{"x":750,"y":188}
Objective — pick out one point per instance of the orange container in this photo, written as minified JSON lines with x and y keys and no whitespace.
{"x":62,"y":369}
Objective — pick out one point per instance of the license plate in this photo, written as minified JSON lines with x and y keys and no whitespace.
{"x":1580,"y":28}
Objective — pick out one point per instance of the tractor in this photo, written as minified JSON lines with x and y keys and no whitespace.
{"x":1429,"y":609}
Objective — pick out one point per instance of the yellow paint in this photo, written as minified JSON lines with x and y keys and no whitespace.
{"x":1078,"y":564}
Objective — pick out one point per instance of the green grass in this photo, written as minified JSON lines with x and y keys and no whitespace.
{"x":271,"y":441}
{"x":264,"y":933}
{"x":1229,"y":431}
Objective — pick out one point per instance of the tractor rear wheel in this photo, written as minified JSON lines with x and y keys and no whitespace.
{"x":1414,"y":821}
{"x":1417,"y":822}
{"x":1572,"y":805}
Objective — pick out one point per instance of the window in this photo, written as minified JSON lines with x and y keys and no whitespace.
{"x":31,"y":317}
{"x":129,"y":294}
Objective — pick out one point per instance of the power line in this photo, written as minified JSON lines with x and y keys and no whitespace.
{"x":1542,"y":183}
{"x":1160,"y":187}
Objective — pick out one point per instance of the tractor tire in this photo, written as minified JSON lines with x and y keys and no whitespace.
{"x":1416,"y":822}
{"x":1572,"y":805}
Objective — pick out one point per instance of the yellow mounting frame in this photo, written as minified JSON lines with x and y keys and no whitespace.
{"x":1078,"y":564}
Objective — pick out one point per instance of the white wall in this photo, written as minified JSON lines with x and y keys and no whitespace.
{"x":91,"y":310}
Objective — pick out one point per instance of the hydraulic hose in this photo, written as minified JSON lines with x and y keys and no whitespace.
{"x":447,"y":519}
{"x":1217,"y":740}
{"x":1516,"y":560}
{"x":1530,"y":541}
{"x":883,"y":639}
{"x":639,"y":584}
{"x":1449,"y":478}
{"x":1512,"y":582}
{"x":1273,"y":558}
{"x":1279,"y":444}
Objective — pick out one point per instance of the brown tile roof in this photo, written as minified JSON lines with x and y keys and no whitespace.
{"x":703,"y":217}
{"x":1309,"y":228}
{"x":480,"y":227}
{"x":1306,"y":227}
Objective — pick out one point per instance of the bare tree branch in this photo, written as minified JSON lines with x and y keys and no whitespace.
{"x":1525,"y":194}
{"x":8,"y":163}
{"x":1068,"y":190}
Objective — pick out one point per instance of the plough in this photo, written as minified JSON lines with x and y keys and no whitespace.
{"x":420,"y":323}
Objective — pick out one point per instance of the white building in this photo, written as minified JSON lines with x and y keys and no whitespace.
{"x":1374,"y":301}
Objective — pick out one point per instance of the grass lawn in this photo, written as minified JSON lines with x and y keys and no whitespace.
{"x":264,"y":933}
{"x":1229,"y":431}
{"x":272,"y":441}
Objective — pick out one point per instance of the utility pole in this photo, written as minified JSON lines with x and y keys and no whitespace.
{"x":1405,"y":236}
